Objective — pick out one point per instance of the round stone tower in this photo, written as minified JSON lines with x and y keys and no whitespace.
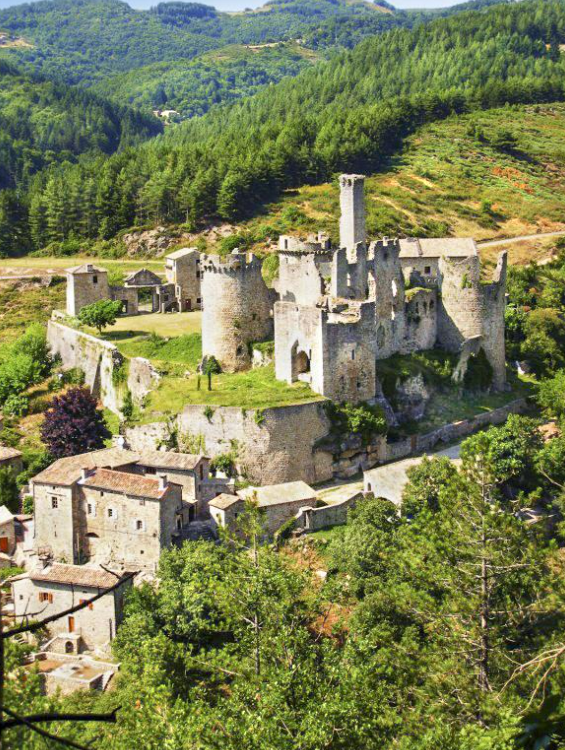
{"x":236,"y":308}
{"x":460,"y":312}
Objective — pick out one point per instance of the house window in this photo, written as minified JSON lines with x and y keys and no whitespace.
{"x":150,"y":470}
{"x":112,"y":513}
{"x":427,"y":270}
{"x":101,"y":494}
{"x":45,"y":597}
{"x":54,"y":502}
{"x":353,"y":354}
{"x":198,"y":300}
{"x":139,"y":525}
{"x":142,"y":502}
{"x":95,"y":279}
{"x":90,"y":509}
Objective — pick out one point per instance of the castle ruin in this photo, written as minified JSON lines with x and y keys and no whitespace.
{"x":337,"y":311}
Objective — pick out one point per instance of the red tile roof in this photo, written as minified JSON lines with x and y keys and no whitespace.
{"x":77,"y":575}
{"x":128,"y":484}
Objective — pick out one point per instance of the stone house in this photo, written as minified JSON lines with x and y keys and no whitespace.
{"x":100,"y":507}
{"x":182,"y":268}
{"x":7,"y":531}
{"x":278,"y":502}
{"x":86,"y":284}
{"x":11,"y":458}
{"x":50,"y":589}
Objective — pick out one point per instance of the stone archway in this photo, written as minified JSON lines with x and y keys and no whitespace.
{"x":300,"y":364}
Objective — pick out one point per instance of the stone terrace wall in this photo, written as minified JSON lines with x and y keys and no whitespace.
{"x":98,"y":359}
{"x":312,"y":519}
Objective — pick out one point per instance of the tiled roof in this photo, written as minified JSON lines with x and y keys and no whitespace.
{"x":7,"y":453}
{"x":224,"y":501}
{"x":78,"y":575}
{"x":169,"y":460}
{"x":437,"y":247}
{"x":278,"y":494}
{"x":66,"y":471}
{"x":128,"y":484}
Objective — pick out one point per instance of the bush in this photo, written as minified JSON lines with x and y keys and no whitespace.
{"x":364,"y":420}
{"x":225,"y":463}
{"x":100,"y":314}
{"x":478,"y":376}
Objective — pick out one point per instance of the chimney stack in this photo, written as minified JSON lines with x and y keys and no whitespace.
{"x":163,"y":482}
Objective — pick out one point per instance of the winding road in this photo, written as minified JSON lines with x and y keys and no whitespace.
{"x":520,"y":238}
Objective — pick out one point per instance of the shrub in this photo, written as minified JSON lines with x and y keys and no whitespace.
{"x":364,"y":419}
{"x":478,"y":376}
{"x":74,"y":424}
{"x":100,"y":314}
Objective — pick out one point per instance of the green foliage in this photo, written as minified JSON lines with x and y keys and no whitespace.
{"x":23,"y":363}
{"x":28,"y":505}
{"x":224,"y":462}
{"x":185,"y":349}
{"x":504,"y":140}
{"x":9,"y":491}
{"x":551,"y":395}
{"x":478,"y":376}
{"x":426,"y":485}
{"x":365,"y":420}
{"x":100,"y":314}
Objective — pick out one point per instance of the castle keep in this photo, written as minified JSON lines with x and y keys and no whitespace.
{"x":337,"y":311}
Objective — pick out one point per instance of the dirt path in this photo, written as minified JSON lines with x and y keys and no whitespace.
{"x":521,"y":238}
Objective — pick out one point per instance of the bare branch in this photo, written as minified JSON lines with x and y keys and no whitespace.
{"x":37,"y":718}
{"x":44,"y":733}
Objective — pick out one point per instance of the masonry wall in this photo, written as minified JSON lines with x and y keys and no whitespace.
{"x":461,"y":310}
{"x":349,"y":357}
{"x":105,"y":538}
{"x":54,"y":528}
{"x":352,"y":202}
{"x":421,"y":321}
{"x":300,"y":329}
{"x":313,"y":519}
{"x":185,"y":273}
{"x":85,"y":288}
{"x":494,"y":296}
{"x":95,"y":624}
{"x":236,"y":309}
{"x":301,"y":276}
{"x":128,"y":296}
{"x":387,"y":289}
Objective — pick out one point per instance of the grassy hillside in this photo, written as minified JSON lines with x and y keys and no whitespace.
{"x":220,"y":76}
{"x":453,"y":178}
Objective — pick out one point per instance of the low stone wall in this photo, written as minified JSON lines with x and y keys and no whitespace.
{"x":313,"y":519}
{"x":99,"y":360}
{"x":451,"y":432}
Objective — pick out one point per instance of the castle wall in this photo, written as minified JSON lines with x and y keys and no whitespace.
{"x":237,"y":309}
{"x":352,"y":202}
{"x":301,"y":277}
{"x":300,"y":329}
{"x":349,"y":357}
{"x":494,"y":295}
{"x":387,"y":289}
{"x":461,"y":310}
{"x":421,"y":320}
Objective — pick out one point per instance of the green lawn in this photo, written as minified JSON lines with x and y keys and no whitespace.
{"x":30,"y":264}
{"x":254,"y":389}
{"x":163,"y":324}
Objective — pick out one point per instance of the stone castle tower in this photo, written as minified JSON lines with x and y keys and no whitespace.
{"x":352,"y":228}
{"x":236,"y":308}
{"x":86,"y":284}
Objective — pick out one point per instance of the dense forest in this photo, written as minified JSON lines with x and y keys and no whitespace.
{"x":350,"y":113}
{"x":192,"y":87}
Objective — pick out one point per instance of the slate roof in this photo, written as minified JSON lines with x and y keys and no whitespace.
{"x":128,"y":484}
{"x":66,"y":471}
{"x":169,"y":460}
{"x":224,"y":501}
{"x":437,"y":247}
{"x":77,"y":575}
{"x":278,"y":494}
{"x":7,"y":453}
{"x":181,"y":253}
{"x":85,"y":268}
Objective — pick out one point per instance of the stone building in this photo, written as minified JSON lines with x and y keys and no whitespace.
{"x":11,"y":458}
{"x":278,"y":503}
{"x":340,"y":310}
{"x":7,"y":531}
{"x":53,"y":588}
{"x":116,"y":507}
{"x":183,"y":271}
{"x":237,"y":309}
{"x":86,"y":284}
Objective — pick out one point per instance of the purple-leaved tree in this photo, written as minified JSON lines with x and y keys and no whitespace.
{"x":73,"y":424}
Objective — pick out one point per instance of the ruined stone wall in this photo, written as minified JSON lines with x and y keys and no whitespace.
{"x":421,"y":320}
{"x":301,"y":276}
{"x":129,"y":296}
{"x":494,"y":296}
{"x":236,"y":309}
{"x":300,"y":329}
{"x":460,"y":310}
{"x":387,"y":289}
{"x":352,"y":203}
{"x":420,"y":271}
{"x":313,"y":519}
{"x":85,"y":288}
{"x":349,"y":357}
{"x":142,"y":378}
{"x":271,"y":446}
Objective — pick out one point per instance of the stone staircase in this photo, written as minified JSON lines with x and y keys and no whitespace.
{"x":197,"y":530}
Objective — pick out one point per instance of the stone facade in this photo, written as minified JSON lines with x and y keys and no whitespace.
{"x":352,"y":203}
{"x":43,"y":591}
{"x":183,"y":271}
{"x":237,"y":308}
{"x":86,"y":284}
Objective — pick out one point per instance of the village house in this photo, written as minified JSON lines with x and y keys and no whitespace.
{"x":53,"y":588}
{"x":278,"y":503}
{"x":11,"y":458}
{"x":7,"y":534}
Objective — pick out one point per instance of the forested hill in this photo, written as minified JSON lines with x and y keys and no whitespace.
{"x":84,"y":41}
{"x":42,"y":122}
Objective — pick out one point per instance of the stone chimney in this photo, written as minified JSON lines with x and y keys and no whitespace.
{"x":163,"y":482}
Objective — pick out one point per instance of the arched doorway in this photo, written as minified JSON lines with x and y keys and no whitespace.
{"x":69,"y":647}
{"x":300,"y":364}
